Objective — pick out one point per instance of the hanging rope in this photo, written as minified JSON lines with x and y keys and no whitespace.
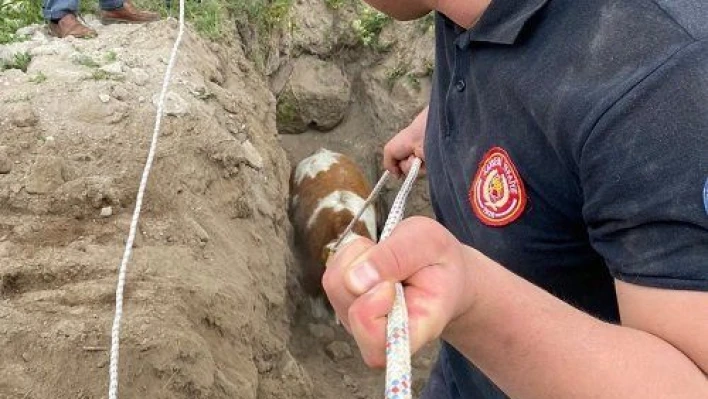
{"x":115,"y":331}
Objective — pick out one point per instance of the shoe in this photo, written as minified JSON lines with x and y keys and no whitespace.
{"x":68,"y":25}
{"x":128,"y":14}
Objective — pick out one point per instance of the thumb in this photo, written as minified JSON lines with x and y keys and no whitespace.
{"x":415,"y":243}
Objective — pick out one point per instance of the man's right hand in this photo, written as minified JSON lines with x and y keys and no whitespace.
{"x":400,"y":150}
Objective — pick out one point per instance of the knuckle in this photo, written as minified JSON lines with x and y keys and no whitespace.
{"x":328,"y":282}
{"x":354,"y":314}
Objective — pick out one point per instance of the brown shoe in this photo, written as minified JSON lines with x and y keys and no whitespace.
{"x":68,"y":25}
{"x":128,"y":14}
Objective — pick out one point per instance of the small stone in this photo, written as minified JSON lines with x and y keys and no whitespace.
{"x":339,"y":350}
{"x":45,"y":175}
{"x":349,"y":382}
{"x":321,"y":332}
{"x":139,"y":76}
{"x":253,"y":157}
{"x":49,"y":142}
{"x":22,"y":115}
{"x":115,"y":68}
{"x":199,"y":230}
{"x":174,"y":104}
{"x":27,"y":30}
{"x":5,"y":249}
{"x":241,"y":137}
{"x":120,"y":93}
{"x":82,"y":157}
{"x":106,"y":211}
{"x":5,"y":162}
{"x":104,"y":98}
{"x":25,"y":357}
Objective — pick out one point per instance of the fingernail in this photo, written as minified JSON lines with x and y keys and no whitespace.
{"x":363,"y":277}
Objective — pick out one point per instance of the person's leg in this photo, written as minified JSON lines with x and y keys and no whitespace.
{"x":54,"y":10}
{"x":110,"y":5}
{"x":123,"y":11}
{"x":61,"y":15}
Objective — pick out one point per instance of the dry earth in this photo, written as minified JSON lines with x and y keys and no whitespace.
{"x":213,"y":307}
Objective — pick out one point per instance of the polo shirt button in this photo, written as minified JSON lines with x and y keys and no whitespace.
{"x":460,"y":85}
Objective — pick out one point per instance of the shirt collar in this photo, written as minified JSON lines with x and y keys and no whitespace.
{"x":502,"y":21}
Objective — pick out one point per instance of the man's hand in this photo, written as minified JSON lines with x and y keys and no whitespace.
{"x":422,"y":254}
{"x":399,"y":151}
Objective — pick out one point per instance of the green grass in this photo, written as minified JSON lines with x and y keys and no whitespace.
{"x":15,"y":14}
{"x":369,"y":25}
{"x":40,"y":77}
{"x":393,"y":74}
{"x":335,"y":4}
{"x":110,"y":56}
{"x":20,"y":61}
{"x":100,"y":74}
{"x":426,"y":23}
{"x":429,"y":67}
{"x":85,"y":60}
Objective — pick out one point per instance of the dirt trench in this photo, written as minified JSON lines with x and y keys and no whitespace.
{"x":213,"y":308}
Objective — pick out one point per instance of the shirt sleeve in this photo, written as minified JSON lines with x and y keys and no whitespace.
{"x":644,"y":168}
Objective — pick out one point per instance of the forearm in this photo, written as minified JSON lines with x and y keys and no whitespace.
{"x":535,"y":346}
{"x":402,"y":10}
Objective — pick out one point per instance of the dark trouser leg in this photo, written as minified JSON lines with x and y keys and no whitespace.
{"x":110,"y":5}
{"x":56,"y":9}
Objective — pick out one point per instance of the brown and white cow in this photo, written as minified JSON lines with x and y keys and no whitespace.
{"x":327,"y":190}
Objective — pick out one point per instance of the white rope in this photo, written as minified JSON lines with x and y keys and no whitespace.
{"x":115,"y":331}
{"x":398,"y":353}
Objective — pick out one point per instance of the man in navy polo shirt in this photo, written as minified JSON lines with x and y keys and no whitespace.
{"x":567,"y":153}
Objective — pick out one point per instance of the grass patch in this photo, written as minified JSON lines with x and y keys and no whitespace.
{"x":429,"y":67}
{"x":15,"y":14}
{"x":426,"y":23}
{"x":85,"y":60}
{"x":335,"y":4}
{"x":110,"y":56}
{"x":413,"y":81}
{"x":100,"y":74}
{"x":369,"y":25}
{"x":20,"y":61}
{"x":40,"y":77}
{"x":393,"y":74}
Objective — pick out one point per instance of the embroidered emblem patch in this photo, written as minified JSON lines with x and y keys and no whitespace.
{"x":497,"y":193}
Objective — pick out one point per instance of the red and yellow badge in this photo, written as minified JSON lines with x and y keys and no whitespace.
{"x":497,"y":194}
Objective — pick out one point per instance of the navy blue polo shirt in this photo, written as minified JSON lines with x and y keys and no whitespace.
{"x":568,"y":140}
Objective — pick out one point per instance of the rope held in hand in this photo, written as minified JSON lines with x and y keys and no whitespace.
{"x":398,"y":352}
{"x":115,"y":331}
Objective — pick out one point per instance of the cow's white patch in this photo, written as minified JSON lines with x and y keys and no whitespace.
{"x":318,"y":162}
{"x":346,"y":200}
